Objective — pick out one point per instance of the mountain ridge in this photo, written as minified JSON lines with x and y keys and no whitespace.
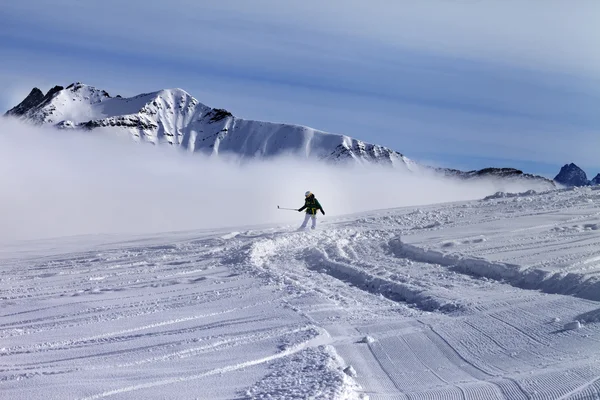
{"x":175,"y":117}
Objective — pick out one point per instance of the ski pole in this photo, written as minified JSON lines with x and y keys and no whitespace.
{"x":291,"y":209}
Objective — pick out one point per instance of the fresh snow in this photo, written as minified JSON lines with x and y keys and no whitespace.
{"x":491,"y":299}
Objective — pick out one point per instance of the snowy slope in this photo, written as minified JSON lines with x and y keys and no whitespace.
{"x":490,"y":299}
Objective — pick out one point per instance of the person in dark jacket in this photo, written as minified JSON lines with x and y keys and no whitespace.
{"x":311,"y":205}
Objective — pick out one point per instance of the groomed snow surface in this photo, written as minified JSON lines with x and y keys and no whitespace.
{"x":491,"y":299}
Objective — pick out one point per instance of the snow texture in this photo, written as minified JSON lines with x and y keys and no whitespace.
{"x":313,"y":373}
{"x":375,"y":305}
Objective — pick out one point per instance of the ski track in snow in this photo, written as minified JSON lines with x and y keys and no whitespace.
{"x":470,"y":300}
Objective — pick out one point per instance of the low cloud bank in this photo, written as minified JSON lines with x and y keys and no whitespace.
{"x":61,"y":183}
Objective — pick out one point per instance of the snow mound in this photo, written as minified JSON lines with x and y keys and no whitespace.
{"x":313,"y":373}
{"x":572,"y":325}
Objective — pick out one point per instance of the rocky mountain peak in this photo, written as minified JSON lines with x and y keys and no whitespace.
{"x":35,"y":97}
{"x":571,"y":175}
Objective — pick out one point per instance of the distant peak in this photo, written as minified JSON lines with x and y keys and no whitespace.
{"x":33,"y":99}
{"x":78,"y":87}
{"x":35,"y":92}
{"x":176,"y":91}
{"x":571,"y":166}
{"x":571,"y":175}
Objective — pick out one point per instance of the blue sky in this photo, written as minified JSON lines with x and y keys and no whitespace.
{"x":459,"y":83}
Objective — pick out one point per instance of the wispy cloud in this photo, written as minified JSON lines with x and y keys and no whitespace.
{"x":555,"y":33}
{"x":473,"y":28}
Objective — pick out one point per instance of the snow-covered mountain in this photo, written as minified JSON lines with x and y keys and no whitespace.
{"x":175,"y":117}
{"x":596,"y":180}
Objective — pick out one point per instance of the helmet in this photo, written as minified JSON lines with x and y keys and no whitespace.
{"x":308,"y":193}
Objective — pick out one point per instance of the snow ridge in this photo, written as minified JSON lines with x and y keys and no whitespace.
{"x":337,"y":265}
{"x":550,"y":282}
{"x":312,"y":373}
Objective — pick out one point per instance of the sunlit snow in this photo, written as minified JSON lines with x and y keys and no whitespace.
{"x":486,"y":299}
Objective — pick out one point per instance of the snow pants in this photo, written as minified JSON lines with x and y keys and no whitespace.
{"x":308,"y":216}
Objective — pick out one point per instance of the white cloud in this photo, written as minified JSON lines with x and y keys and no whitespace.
{"x":59,"y":183}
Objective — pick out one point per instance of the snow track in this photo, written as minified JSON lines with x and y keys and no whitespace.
{"x":495,"y":299}
{"x":538,"y":279}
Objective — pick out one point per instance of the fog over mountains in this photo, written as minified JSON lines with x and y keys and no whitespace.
{"x":174,"y":117}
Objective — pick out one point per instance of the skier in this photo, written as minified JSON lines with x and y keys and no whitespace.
{"x":312,"y":205}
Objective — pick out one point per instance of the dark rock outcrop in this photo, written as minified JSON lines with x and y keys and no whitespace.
{"x":218,"y":114}
{"x":33,"y":99}
{"x":572,"y":175}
